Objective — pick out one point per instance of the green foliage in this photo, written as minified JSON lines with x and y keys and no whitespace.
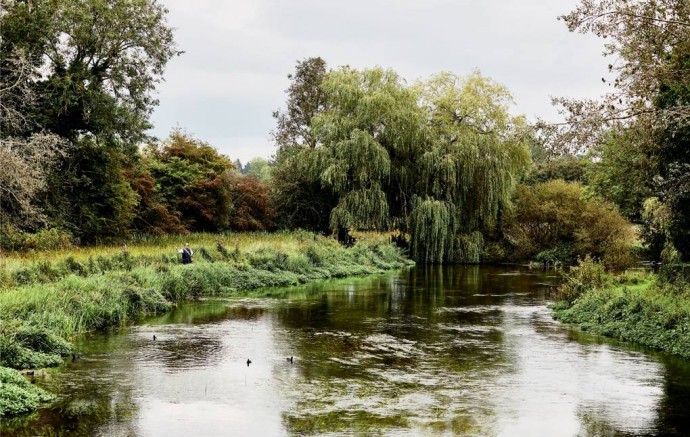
{"x":647,"y":109}
{"x":656,"y":316}
{"x":677,"y":274}
{"x":194,"y":181}
{"x":656,"y":218}
{"x":259,"y":168}
{"x":478,"y":150}
{"x":566,"y":167}
{"x":13,"y":239}
{"x":439,"y":159}
{"x":306,"y":99}
{"x":100,"y":61}
{"x":91,"y":197}
{"x":585,"y":276}
{"x":371,"y":118}
{"x":554,"y":219}
{"x":86,"y":72}
{"x":674,"y":186}
{"x":561,"y":254}
{"x":432,"y":230}
{"x":29,"y":346}
{"x":48,"y":239}
{"x":300,"y":202}
{"x":17,"y":356}
{"x":18,"y":395}
{"x":622,"y":173}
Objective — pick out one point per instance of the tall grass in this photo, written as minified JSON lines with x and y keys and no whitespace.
{"x":639,"y":308}
{"x":65,"y":293}
{"x":293,"y":251}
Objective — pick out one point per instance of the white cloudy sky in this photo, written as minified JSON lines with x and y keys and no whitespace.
{"x":238,"y":53}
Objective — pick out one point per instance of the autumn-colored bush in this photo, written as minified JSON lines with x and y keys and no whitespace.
{"x":553,"y":217}
{"x":194,"y":181}
{"x":152,"y":213}
{"x":252,"y":209}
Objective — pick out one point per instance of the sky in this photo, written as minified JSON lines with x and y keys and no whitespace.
{"x":238,"y":53}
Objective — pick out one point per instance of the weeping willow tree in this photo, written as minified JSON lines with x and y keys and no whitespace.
{"x":437,"y":160}
{"x":469,"y":168}
{"x":368,"y":137}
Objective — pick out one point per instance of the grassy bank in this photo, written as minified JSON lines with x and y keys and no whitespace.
{"x":639,"y":308}
{"x":48,"y":298}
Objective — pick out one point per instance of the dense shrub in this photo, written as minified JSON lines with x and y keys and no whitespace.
{"x":634,"y":308}
{"x":252,"y":208}
{"x":11,"y":238}
{"x":554,"y":222}
{"x":48,"y":239}
{"x":675,"y":274}
{"x":18,"y":395}
{"x":587,"y":275}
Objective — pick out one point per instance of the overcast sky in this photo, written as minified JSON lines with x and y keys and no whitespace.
{"x":238,"y":54}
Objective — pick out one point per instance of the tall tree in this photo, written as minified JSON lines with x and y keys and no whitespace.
{"x":25,"y":159}
{"x":622,"y":172}
{"x":306,"y":99}
{"x":300,"y":202}
{"x":476,"y":155}
{"x":100,"y":61}
{"x":643,"y":38}
{"x":438,"y":159}
{"x":651,"y":43}
{"x":91,"y":68}
{"x":370,"y":132}
{"x":24,"y":167}
{"x":194,"y":180}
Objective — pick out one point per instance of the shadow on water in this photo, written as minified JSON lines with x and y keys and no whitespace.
{"x":427,"y":350}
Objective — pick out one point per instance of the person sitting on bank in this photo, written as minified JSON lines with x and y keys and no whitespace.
{"x":186,"y":254}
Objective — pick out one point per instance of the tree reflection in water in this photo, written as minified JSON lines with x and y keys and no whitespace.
{"x":450,"y":350}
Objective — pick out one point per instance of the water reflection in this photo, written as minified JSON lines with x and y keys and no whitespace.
{"x":429,"y":350}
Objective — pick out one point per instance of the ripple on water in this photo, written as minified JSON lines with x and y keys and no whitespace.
{"x":386,"y":344}
{"x":179,"y":347}
{"x":477,"y":309}
{"x":384,"y":362}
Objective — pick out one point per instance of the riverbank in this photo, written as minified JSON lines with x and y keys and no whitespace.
{"x":50,"y":297}
{"x":640,"y":308}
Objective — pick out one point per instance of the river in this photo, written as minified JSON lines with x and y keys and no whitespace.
{"x":462,"y":350}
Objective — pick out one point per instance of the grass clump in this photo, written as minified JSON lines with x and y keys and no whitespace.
{"x":635,"y":307}
{"x":18,"y":395}
{"x":25,"y":346}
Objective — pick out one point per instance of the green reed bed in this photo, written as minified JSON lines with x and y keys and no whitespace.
{"x":643,"y":309}
{"x":46,"y":301}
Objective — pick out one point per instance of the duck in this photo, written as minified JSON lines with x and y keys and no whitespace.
{"x":290,"y":359}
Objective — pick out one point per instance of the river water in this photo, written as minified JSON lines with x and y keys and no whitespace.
{"x":423,"y":351}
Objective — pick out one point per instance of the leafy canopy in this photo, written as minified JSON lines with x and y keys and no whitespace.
{"x":438,"y":159}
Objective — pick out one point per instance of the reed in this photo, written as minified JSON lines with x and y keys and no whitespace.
{"x":64,"y":293}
